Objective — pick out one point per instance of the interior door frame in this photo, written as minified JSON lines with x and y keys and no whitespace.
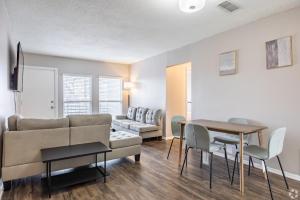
{"x":166,"y":100}
{"x":55,"y":70}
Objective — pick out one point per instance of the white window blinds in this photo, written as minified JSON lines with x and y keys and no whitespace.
{"x":77,"y":92}
{"x":110,"y":95}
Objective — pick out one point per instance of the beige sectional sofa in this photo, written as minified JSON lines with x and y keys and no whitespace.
{"x":21,"y":156}
{"x":144,"y":122}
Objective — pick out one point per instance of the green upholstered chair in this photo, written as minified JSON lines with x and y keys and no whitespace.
{"x":175,"y":127}
{"x":233,"y":139}
{"x":275,"y":147}
{"x":198,"y":137}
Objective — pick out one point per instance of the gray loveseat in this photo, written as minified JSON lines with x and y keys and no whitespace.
{"x":144,"y":122}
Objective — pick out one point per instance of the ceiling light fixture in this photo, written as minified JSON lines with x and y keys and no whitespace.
{"x":190,"y":6}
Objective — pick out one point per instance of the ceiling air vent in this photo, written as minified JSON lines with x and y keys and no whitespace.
{"x":230,"y":7}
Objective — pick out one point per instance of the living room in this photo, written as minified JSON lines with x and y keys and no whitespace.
{"x":149,"y":100}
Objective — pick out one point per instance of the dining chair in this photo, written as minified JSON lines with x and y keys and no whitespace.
{"x":176,"y":129}
{"x":198,"y":137}
{"x":233,"y":140}
{"x":274,"y":149}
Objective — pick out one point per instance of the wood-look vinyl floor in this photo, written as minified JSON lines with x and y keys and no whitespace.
{"x":157,"y":178}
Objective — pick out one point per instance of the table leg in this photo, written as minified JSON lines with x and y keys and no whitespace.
{"x":180,"y":143}
{"x":259,"y":137}
{"x":242,"y":163}
{"x":260,"y":144}
{"x":96,"y":161}
{"x":105,"y":167}
{"x":49,"y":178}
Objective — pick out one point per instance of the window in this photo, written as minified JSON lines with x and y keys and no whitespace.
{"x":77,"y":91}
{"x":110,"y":95}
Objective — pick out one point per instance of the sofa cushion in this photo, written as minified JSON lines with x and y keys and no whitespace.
{"x":121,"y":139}
{"x":89,"y":134}
{"x":36,"y":124}
{"x":140,"y":115}
{"x":142,"y":127}
{"x":123,"y":122}
{"x":120,"y":117}
{"x":89,"y":120}
{"x":131,"y":113}
{"x":153,"y":117}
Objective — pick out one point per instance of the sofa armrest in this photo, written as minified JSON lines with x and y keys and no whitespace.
{"x":121,"y":117}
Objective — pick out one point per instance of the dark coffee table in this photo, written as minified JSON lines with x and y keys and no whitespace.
{"x":79,"y":175}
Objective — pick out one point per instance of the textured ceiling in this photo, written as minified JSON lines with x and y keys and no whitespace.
{"x":124,"y":31}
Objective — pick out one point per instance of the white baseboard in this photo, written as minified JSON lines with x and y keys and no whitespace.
{"x":257,"y":165}
{"x":270,"y":169}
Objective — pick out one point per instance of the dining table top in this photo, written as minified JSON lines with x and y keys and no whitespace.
{"x":226,"y":127}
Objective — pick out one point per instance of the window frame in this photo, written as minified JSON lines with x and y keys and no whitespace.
{"x":111,"y":101}
{"x":63,"y":91}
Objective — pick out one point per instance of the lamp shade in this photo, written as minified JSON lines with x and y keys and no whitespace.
{"x":128,"y":85}
{"x":190,"y":6}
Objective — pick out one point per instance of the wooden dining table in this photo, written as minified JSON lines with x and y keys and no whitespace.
{"x":229,"y":128}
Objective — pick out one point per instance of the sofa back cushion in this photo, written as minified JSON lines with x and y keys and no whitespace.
{"x":140,"y":115}
{"x":89,"y":134}
{"x":90,"y":128}
{"x":23,"y":147}
{"x":153,"y":117}
{"x":131,"y":113}
{"x":38,"y":124}
{"x":86,"y":120}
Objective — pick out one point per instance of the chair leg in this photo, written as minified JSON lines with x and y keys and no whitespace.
{"x":225,"y":152}
{"x":170,"y":148}
{"x":249,"y":165}
{"x":251,"y":158}
{"x":201,"y":159}
{"x":210,"y":169}
{"x":268,"y":179}
{"x":186,"y":156}
{"x":238,"y":167}
{"x":252,"y":162}
{"x":235,"y":159}
{"x":287,"y":186}
{"x":186,"y":152}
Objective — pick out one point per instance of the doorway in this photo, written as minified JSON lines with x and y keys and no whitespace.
{"x":178,"y":93}
{"x":39,"y":96}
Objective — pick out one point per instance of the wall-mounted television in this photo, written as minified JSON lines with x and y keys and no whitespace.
{"x":16,"y":75}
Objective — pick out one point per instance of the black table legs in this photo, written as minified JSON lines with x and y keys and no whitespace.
{"x":105,"y":167}
{"x":102,"y":170}
{"x":99,"y":168}
{"x":48,"y":173}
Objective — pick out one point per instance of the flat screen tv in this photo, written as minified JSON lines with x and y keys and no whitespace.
{"x":16,"y":76}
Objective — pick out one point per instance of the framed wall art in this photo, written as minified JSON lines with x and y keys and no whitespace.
{"x":279,"y":53}
{"x":228,"y":63}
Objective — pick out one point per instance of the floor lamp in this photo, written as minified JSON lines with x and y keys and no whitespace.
{"x":128,"y":86}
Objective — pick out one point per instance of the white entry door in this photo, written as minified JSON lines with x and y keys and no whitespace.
{"x":39,"y":96}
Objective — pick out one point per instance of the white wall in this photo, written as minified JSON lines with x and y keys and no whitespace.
{"x":79,"y":66}
{"x":6,"y":58}
{"x":269,"y":96}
